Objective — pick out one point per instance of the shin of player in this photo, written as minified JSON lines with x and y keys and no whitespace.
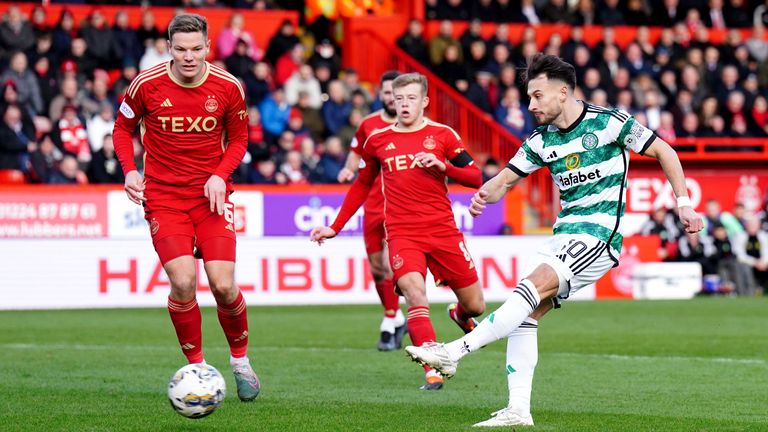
{"x":589,"y":165}
{"x":194,"y":122}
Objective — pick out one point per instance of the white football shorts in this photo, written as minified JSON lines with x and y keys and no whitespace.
{"x":578,"y":260}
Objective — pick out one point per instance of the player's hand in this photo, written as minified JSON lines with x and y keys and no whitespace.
{"x":429,"y":160}
{"x":690,"y":219}
{"x":134,"y":187}
{"x":479,"y":201}
{"x":216,"y":192}
{"x":321,"y":234}
{"x":345,"y":175}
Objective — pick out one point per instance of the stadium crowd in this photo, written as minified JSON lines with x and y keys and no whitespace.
{"x":682,"y":86}
{"x":732,"y":249}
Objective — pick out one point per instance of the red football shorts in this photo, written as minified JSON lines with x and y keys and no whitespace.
{"x":373,"y":232}
{"x":178,"y":226}
{"x":446,"y":257}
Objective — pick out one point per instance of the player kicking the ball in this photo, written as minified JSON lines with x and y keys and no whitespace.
{"x":194,"y":123}
{"x":414,"y":156}
{"x":586,"y":149}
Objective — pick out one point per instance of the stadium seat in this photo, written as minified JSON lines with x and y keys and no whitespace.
{"x":12,"y":176}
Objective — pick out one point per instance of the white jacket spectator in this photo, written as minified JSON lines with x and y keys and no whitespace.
{"x":155,"y":54}
{"x":100,"y":125}
{"x":741,"y":245}
{"x":304,"y":80}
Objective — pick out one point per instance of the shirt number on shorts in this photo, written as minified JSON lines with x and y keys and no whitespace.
{"x":576,"y":248}
{"x":229,"y":212}
{"x":467,"y":256}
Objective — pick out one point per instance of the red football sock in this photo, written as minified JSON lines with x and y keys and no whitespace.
{"x":420,"y":327}
{"x":234,"y":320}
{"x":388,"y":297}
{"x":187,"y":321}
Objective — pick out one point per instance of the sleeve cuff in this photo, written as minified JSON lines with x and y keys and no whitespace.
{"x":647,"y":144}
{"x":516,"y":170}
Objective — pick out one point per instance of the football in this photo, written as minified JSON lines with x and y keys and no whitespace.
{"x":196,"y":390}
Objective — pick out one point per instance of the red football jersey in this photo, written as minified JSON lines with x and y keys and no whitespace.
{"x":374,"y":204}
{"x":415,"y":199}
{"x":189,"y":131}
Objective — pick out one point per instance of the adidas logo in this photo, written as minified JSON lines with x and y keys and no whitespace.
{"x":552,"y":155}
{"x":166,"y":103}
{"x":390,"y":146}
{"x":465,"y":348}
{"x":242,"y":336}
{"x":187,"y":346}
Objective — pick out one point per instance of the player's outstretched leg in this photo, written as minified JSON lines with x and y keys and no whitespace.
{"x":234,"y":320}
{"x":499,"y":324}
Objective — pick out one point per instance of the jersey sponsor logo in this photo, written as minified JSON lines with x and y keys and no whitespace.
{"x":575,"y":178}
{"x":402,"y":162}
{"x":188,"y":124}
{"x":166,"y":103}
{"x":397,"y":262}
{"x":390,"y":146}
{"x":572,"y":161}
{"x":126,"y":110}
{"x":429,"y":143}
{"x":211,"y":105}
{"x":589,"y":141}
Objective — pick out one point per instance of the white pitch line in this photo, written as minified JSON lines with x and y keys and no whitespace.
{"x":623,"y":357}
{"x":257,"y":348}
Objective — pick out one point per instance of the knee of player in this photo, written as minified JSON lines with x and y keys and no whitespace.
{"x":222,"y":286}
{"x":474,"y":307}
{"x":184,"y":285}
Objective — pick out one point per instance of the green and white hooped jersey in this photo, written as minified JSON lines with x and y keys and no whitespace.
{"x":588,"y":163}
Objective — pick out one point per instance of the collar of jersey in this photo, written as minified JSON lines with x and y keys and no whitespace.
{"x":573,"y":125}
{"x":182,"y":83}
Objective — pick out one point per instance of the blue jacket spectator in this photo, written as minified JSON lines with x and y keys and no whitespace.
{"x":336,"y":109}
{"x":275,"y":113}
{"x":332,"y":161}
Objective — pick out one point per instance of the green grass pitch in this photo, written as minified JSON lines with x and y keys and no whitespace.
{"x":699,"y":365}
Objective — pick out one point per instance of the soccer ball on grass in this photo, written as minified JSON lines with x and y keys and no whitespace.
{"x":196,"y":390}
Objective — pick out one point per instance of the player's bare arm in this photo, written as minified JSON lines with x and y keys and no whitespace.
{"x":350,"y":168}
{"x":670,"y":164}
{"x":134,"y":187}
{"x":493,"y":190}
{"x":354,"y":199}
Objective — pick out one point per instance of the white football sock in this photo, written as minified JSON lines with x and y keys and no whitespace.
{"x":238,"y":360}
{"x":399,"y":318}
{"x":387,"y":325}
{"x":390,"y":324}
{"x":500,"y":323}
{"x":522,"y":356}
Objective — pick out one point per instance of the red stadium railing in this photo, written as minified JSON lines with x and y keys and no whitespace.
{"x":480,"y":132}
